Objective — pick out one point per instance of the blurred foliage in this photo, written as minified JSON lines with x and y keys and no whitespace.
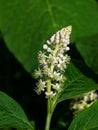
{"x":11,"y":113}
{"x":88,"y":48}
{"x":86,"y":120}
{"x":25,"y":26}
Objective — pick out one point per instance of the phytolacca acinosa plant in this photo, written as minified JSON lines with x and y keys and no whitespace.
{"x":53,"y":62}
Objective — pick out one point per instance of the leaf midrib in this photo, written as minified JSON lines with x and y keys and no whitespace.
{"x":51,"y":14}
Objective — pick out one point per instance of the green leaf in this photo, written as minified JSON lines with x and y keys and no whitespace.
{"x":11,"y":113}
{"x":27,"y":24}
{"x":88,"y":48}
{"x":94,"y":128}
{"x":86,"y":120}
{"x":76,"y":84}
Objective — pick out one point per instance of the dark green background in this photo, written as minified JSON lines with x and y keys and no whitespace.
{"x":25,"y":26}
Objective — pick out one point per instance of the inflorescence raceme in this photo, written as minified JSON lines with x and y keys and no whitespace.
{"x":53,"y":61}
{"x":81,"y":102}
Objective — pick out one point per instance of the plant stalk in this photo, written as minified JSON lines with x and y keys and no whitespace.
{"x":49,"y":115}
{"x":51,"y":104}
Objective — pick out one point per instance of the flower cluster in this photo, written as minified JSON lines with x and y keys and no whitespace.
{"x":53,"y":61}
{"x":82,"y":102}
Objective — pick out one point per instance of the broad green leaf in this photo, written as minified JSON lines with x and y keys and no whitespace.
{"x":76,"y":83}
{"x":11,"y":113}
{"x":27,"y":24}
{"x":88,"y":48}
{"x":86,"y":120}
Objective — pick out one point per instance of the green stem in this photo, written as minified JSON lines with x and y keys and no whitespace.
{"x":49,"y":115}
{"x":51,"y":104}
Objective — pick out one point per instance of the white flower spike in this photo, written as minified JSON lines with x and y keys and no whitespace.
{"x":53,"y":62}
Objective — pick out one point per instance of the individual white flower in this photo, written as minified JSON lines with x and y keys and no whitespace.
{"x":46,"y":70}
{"x":93,"y":96}
{"x":62,"y":32}
{"x":66,"y":58}
{"x":56,"y":86}
{"x":50,"y":94}
{"x":42,"y":61}
{"x":52,"y":59}
{"x":45,"y":46}
{"x":50,"y":75}
{"x":61,"y":55}
{"x":67,"y":48}
{"x":52,"y":38}
{"x":38,"y":73}
{"x":48,"y":42}
{"x":62,"y":78}
{"x":86,"y":98}
{"x":41,"y":85}
{"x":80,"y":106}
{"x":41,"y":55}
{"x":57,"y":35}
{"x":56,"y":76}
{"x":61,"y":64}
{"x":49,"y":49}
